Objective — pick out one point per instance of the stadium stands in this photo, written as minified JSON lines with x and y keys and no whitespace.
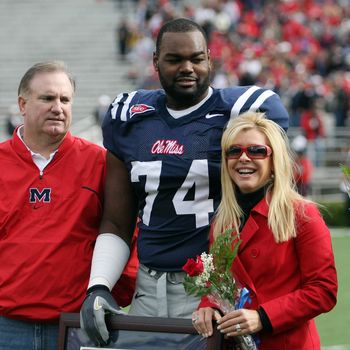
{"x":79,"y":32}
{"x":326,"y":179}
{"x":82,"y":33}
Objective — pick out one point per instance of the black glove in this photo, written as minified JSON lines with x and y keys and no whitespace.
{"x":97,"y":304}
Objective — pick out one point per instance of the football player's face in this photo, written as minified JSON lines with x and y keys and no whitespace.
{"x":47,"y":108}
{"x":183,"y":66}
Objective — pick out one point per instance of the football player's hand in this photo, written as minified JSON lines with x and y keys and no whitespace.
{"x":96,"y":305}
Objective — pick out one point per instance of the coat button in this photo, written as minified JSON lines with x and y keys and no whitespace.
{"x":254,"y":253}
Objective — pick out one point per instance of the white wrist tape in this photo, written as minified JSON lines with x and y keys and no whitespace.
{"x":110,"y":256}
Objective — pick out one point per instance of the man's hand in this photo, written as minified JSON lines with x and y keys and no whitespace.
{"x":97,"y":304}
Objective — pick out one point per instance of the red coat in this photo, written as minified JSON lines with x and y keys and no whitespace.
{"x":293,"y":281}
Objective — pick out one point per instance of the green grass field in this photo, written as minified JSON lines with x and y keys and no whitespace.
{"x":334,"y":326}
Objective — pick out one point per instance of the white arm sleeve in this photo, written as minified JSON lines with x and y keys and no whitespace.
{"x":110,"y":256}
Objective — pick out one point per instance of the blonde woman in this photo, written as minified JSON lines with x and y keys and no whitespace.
{"x":285,"y":259}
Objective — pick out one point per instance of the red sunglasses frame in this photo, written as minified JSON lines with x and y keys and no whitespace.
{"x":245,"y":149}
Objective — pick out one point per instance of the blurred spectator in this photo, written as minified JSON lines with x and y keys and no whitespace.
{"x":345,"y":187}
{"x":140,"y":57}
{"x":301,"y":101}
{"x":312,"y":124}
{"x":101,"y":108}
{"x":122,"y":38}
{"x":250,"y":66}
{"x":13,"y":119}
{"x":302,"y":166}
{"x":340,"y":101}
{"x":220,"y":79}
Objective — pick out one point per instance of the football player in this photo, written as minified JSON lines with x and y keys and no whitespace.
{"x":163,"y":165}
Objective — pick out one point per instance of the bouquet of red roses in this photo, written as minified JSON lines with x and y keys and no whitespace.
{"x":210,"y":275}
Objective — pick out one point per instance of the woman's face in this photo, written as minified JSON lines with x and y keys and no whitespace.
{"x":247,"y":173}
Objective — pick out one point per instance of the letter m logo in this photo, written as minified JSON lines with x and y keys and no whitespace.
{"x":39,"y":196}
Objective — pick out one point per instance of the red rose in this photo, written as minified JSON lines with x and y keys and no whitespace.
{"x":193,"y":268}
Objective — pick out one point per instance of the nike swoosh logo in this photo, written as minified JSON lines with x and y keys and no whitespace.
{"x":138,"y":295}
{"x":212,"y":115}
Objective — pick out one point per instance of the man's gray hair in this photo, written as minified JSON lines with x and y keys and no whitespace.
{"x":43,"y":67}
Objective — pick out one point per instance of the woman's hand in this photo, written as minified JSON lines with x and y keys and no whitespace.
{"x":202,"y":320}
{"x":240,"y":322}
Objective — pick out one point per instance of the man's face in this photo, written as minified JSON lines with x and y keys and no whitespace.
{"x":183,"y":66}
{"x":47,"y":108}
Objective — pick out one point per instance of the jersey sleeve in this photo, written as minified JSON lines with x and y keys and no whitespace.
{"x":254,"y":98}
{"x":275,"y":110}
{"x":126,"y":109}
{"x":110,"y":121}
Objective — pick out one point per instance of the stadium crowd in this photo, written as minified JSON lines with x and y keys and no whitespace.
{"x":299,"y":49}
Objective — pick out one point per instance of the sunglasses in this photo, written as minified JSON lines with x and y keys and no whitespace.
{"x":252,"y":151}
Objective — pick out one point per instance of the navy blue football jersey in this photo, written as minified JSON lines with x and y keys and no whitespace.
{"x":174,"y":165}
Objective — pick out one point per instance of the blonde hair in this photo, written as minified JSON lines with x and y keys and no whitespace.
{"x":281,"y":216}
